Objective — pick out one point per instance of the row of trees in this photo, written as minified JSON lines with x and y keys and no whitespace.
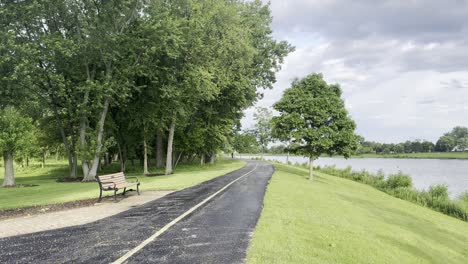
{"x":455,"y":140}
{"x":132,"y":77}
{"x":370,"y":147}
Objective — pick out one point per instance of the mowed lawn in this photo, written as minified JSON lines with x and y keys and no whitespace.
{"x":49,"y":191}
{"x":334,"y":220}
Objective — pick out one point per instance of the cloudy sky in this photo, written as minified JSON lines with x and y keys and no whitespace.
{"x":402,"y":64}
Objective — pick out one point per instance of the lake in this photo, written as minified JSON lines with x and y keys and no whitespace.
{"x":425,"y":172}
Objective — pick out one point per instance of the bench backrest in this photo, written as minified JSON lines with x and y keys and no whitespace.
{"x":115,"y":177}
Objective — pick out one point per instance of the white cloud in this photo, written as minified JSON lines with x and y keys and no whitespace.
{"x":401,"y":64}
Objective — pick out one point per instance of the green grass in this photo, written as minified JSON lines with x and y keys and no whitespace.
{"x":334,"y":220}
{"x":50,"y":191}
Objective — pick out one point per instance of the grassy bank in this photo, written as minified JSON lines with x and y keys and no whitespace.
{"x":431,"y":155}
{"x":334,"y":220}
{"x":46,"y":189}
{"x":400,"y":185}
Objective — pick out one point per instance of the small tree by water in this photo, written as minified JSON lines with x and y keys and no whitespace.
{"x":313,"y":116}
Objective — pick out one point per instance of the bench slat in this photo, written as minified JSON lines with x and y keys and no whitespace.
{"x":108,"y":181}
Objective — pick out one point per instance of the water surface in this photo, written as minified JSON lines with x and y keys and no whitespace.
{"x":425,"y":172}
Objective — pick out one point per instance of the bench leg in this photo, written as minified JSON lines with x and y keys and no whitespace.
{"x":115,"y":195}
{"x":138,"y":189}
{"x":124,"y":191}
{"x":100,"y":195}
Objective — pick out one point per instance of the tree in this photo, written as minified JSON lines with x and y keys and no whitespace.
{"x":313,"y":116}
{"x":245,"y":142}
{"x":15,"y":135}
{"x":111,"y":76}
{"x":446,"y":143}
{"x":262,"y":127}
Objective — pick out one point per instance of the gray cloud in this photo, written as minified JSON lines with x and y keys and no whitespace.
{"x":402,"y":64}
{"x":454,"y":84}
{"x":422,"y":20}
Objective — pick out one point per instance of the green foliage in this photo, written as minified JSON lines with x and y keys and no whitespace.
{"x":245,"y":142}
{"x":262,"y":129}
{"x":16,"y":131}
{"x":439,"y":192}
{"x":457,"y":140}
{"x":313,"y":116}
{"x":416,"y":146}
{"x":399,"y":180}
{"x":104,"y":76}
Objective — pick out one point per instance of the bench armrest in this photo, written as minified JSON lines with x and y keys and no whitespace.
{"x":133,"y":178}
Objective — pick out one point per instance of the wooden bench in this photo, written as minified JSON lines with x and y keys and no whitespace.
{"x":115,"y":182}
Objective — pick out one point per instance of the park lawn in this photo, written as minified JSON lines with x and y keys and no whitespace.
{"x":49,"y":191}
{"x":334,"y":220}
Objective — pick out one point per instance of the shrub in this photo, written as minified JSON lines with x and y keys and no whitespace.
{"x":439,"y":192}
{"x":399,"y":180}
{"x":463,"y":197}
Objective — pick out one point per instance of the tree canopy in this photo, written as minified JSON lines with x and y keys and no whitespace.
{"x":115,"y":77}
{"x":313,"y":116}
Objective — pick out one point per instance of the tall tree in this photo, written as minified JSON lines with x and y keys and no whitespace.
{"x":262,"y":128}
{"x":15,"y":135}
{"x":313,"y":116}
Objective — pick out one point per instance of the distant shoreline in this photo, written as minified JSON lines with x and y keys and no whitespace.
{"x":429,"y":155}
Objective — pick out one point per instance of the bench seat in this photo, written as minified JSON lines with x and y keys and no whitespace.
{"x":115,"y":182}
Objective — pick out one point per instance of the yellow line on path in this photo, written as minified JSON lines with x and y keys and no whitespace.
{"x":175,"y":221}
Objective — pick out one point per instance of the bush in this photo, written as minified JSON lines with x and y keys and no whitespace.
{"x":439,"y":192}
{"x":399,"y":180}
{"x":463,"y":197}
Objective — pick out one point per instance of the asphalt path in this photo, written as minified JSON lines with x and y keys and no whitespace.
{"x":218,"y":231}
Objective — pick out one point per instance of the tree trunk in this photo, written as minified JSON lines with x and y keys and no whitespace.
{"x":311,"y":168}
{"x":71,"y":171}
{"x":84,"y":162}
{"x":123,"y":158}
{"x":212,"y":158}
{"x":74,"y":166}
{"x":145,"y":156}
{"x":287,"y":158}
{"x":9,"y":178}
{"x":43,"y":159}
{"x":159,"y":150}
{"x":107,"y":159}
{"x":202,"y":159}
{"x":178,"y":159}
{"x":93,"y":172}
{"x":170,"y":141}
{"x":83,"y":126}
